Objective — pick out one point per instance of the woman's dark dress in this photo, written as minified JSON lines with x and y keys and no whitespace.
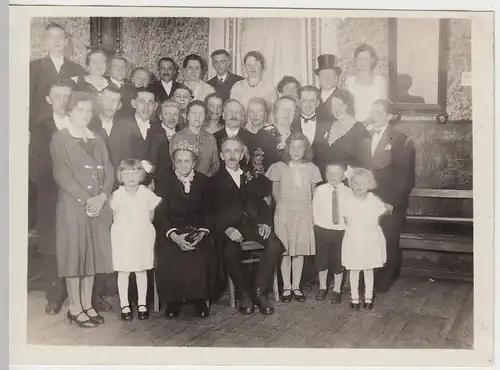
{"x":267,"y":149}
{"x":183,"y":275}
{"x":351,"y":149}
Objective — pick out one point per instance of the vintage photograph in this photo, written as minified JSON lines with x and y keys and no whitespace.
{"x":263,"y":182}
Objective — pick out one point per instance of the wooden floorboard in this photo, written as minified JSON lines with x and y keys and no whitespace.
{"x":416,"y":313}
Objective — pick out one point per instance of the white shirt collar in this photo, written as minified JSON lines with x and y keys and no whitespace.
{"x":117,"y":83}
{"x":61,"y":122}
{"x":98,"y":88}
{"x":235,"y":175}
{"x":58,"y":62}
{"x":167,"y":86}
{"x":144,"y":126}
{"x":168,"y":130}
{"x":223,"y":77}
{"x":325,"y":94}
{"x":380,"y":131}
{"x":73,"y":132}
{"x":231,"y":133}
{"x":107,"y":125}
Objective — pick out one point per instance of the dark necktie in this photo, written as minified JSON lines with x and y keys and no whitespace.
{"x":313,"y":118}
{"x":221,"y":80}
{"x":335,"y":207}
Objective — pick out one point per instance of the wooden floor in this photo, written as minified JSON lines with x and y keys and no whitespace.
{"x":416,"y":313}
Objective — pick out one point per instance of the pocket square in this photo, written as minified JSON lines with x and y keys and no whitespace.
{"x":388,"y":147}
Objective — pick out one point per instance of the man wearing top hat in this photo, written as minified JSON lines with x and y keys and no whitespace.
{"x":328,"y":73}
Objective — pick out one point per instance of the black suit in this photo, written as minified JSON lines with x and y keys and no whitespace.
{"x":159,"y":91}
{"x":127,"y":92}
{"x":41,"y":177}
{"x":244,"y":209}
{"x":164,"y":158}
{"x":393,"y":165}
{"x":321,"y":129}
{"x":324,"y":110}
{"x":223,"y":89}
{"x":43,"y":74}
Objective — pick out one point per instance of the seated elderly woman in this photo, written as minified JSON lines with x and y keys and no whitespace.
{"x":208,"y":160}
{"x":185,"y":256}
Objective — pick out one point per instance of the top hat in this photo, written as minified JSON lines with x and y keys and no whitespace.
{"x":327,"y":61}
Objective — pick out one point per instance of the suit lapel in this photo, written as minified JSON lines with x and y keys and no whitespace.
{"x":382,"y":155}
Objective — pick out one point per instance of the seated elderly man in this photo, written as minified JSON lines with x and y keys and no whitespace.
{"x":241,"y":214}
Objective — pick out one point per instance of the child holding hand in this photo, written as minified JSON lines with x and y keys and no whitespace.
{"x":132,"y":234}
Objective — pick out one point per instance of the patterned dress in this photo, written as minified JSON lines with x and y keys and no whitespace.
{"x":293,"y":219}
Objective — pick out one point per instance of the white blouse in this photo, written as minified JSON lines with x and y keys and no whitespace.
{"x":366,"y":95}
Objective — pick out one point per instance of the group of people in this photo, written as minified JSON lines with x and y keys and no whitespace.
{"x":133,"y":176}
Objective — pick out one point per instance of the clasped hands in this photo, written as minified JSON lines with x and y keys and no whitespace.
{"x":235,"y":235}
{"x":94,"y":205}
{"x":180,"y":240}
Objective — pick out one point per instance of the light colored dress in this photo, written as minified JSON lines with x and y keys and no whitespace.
{"x":132,"y":233}
{"x":366,"y":95}
{"x":293,"y":219}
{"x":364,"y":245}
{"x":243,"y":92}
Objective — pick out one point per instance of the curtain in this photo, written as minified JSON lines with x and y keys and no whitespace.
{"x":282,"y":41}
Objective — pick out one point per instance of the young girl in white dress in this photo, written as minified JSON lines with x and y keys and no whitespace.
{"x":132,"y":234}
{"x":364,"y":246}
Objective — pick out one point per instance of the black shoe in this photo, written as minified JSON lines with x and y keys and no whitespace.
{"x":321,"y":295}
{"x":368,"y":304}
{"x":127,"y":316}
{"x":286,"y":298}
{"x":95,"y":317}
{"x":355,"y":305}
{"x":201,"y":308}
{"x":142,"y":315}
{"x":298,"y":295}
{"x":52,"y":308}
{"x":245,"y":305}
{"x":86,"y":324}
{"x":262,"y":303}
{"x":336,"y":298}
{"x":173,"y":309}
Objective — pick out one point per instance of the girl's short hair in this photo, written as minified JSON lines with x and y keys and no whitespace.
{"x":345,"y":97}
{"x":298,"y":136}
{"x":203,"y":65}
{"x":129,"y":164}
{"x":96,"y":51}
{"x":257,"y":55}
{"x":77,"y":97}
{"x":363,"y":173}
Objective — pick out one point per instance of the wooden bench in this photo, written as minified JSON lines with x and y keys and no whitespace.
{"x":436,"y":247}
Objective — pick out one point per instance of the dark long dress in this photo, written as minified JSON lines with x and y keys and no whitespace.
{"x":350,"y":149}
{"x":82,"y":170}
{"x":183,"y":275}
{"x":267,"y":149}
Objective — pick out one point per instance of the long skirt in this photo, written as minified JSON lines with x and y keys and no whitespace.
{"x":185,"y":275}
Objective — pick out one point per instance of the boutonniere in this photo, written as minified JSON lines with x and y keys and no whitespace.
{"x":75,"y":78}
{"x":248,"y":176}
{"x":281,"y":145}
{"x":388,"y":147}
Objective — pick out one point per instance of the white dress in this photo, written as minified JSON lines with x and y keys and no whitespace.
{"x":366,"y":95}
{"x":364,"y":245}
{"x":132,"y":233}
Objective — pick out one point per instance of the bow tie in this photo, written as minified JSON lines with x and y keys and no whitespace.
{"x":373,"y":131}
{"x":312,"y":118}
{"x":221,"y":80}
